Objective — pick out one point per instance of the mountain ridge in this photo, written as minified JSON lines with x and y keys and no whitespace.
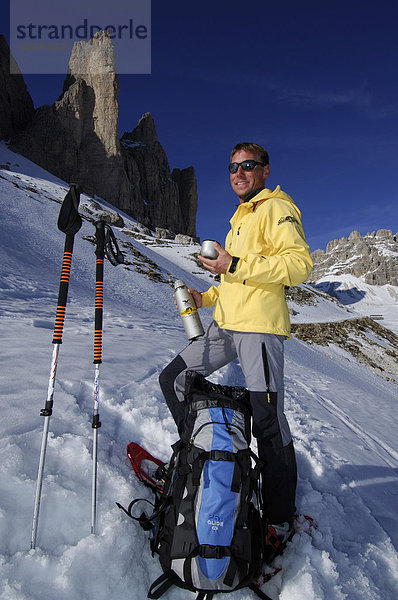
{"x":77,"y":139}
{"x":372,"y":257}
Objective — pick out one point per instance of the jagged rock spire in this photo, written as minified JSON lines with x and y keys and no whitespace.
{"x":374,"y":257}
{"x":77,"y":139}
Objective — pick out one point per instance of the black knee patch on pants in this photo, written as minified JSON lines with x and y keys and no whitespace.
{"x":279,"y":471}
{"x":166,"y":381}
{"x":279,"y":474}
{"x":265,"y":416}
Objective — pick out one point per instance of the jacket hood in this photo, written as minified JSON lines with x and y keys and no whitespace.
{"x":267,"y":193}
{"x":264,"y":194}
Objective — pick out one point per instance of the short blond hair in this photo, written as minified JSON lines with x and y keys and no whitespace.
{"x":254,"y":148}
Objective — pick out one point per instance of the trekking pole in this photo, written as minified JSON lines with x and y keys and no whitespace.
{"x":69,"y":222}
{"x":106,"y":244}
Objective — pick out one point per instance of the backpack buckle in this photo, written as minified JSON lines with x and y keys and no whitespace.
{"x":209,"y":551}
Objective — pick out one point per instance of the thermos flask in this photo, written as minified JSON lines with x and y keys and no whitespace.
{"x":188,"y":311}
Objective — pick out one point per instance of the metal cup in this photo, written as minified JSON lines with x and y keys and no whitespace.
{"x":207,"y":250}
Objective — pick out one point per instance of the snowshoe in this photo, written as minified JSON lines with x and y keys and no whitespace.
{"x":149,"y":469}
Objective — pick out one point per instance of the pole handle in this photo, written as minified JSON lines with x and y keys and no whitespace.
{"x":99,"y":239}
{"x":63,"y":290}
{"x":112,"y":251}
{"x":99,"y":289}
{"x":69,"y":220}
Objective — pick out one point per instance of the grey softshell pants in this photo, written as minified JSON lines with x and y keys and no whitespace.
{"x":261,"y":357}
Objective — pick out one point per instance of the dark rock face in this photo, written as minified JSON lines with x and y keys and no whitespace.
{"x":186,"y":181}
{"x":16,"y":105}
{"x":171,"y":198}
{"x":77,"y":139}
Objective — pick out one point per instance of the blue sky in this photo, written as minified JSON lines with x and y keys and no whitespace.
{"x":315,"y":82}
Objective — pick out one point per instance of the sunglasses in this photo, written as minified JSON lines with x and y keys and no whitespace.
{"x":247,"y":165}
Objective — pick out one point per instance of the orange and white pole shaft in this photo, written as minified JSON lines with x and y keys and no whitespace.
{"x":96,"y":424}
{"x":46,"y":412}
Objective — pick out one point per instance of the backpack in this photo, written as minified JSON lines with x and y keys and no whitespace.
{"x":207,"y":523}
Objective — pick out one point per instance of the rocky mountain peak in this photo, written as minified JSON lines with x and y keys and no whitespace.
{"x":145,"y":132}
{"x":90,"y":93}
{"x":93,"y":58}
{"x":77,"y":139}
{"x":373,"y":257}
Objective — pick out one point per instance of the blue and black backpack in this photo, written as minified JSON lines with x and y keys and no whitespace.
{"x":207,"y":522}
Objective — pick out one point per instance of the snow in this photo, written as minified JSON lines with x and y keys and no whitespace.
{"x":322,"y":311}
{"x":363,"y":298}
{"x":342,"y":417}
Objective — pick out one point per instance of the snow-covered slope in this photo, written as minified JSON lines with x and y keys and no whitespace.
{"x":365,"y":299}
{"x":342,"y":417}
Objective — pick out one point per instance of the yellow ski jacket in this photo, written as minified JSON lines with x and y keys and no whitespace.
{"x":268,"y":240}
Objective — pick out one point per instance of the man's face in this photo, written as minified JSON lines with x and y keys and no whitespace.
{"x":245,"y":182}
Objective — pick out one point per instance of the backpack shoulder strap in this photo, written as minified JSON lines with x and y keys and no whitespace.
{"x":258,"y":592}
{"x":162,"y":584}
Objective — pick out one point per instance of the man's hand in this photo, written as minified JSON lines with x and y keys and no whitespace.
{"x":220,"y":264}
{"x":197,"y":298}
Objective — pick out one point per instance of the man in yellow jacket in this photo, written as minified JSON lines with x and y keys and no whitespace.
{"x":265,"y":250}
